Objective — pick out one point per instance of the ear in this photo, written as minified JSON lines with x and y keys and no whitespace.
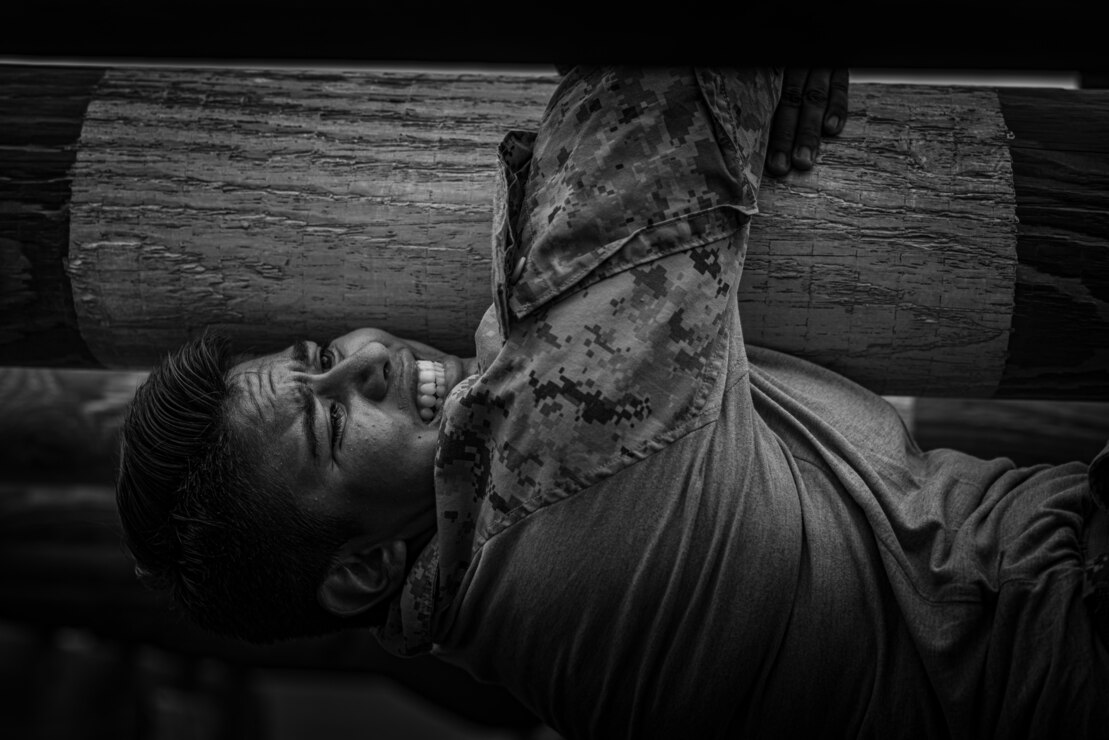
{"x":363,"y":576}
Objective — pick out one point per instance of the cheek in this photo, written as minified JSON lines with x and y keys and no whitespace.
{"x":384,"y":444}
{"x":428,"y":441}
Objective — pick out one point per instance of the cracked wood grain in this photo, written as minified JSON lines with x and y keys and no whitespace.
{"x":275,"y":204}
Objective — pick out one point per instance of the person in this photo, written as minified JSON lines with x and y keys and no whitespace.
{"x":639,"y":524}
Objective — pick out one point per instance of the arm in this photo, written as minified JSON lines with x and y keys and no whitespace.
{"x":630,"y":236}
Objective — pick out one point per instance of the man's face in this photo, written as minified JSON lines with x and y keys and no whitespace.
{"x":353,"y":425}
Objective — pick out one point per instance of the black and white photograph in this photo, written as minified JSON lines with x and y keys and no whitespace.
{"x":396,"y":375}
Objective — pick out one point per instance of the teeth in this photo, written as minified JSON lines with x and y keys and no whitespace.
{"x":431,"y":383}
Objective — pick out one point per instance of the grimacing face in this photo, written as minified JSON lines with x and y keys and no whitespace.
{"x":353,"y":426}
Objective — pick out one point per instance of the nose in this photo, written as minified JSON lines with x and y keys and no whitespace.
{"x":363,"y":373}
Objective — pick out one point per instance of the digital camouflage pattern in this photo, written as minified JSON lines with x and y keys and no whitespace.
{"x":618,"y":234}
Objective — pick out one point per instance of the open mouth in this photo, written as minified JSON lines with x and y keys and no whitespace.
{"x":431,"y":388}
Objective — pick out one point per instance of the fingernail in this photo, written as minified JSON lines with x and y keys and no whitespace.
{"x":779,"y":163}
{"x":832,"y":124}
{"x":804,"y":154}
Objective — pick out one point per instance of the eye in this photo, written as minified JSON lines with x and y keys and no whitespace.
{"x":327,"y":359}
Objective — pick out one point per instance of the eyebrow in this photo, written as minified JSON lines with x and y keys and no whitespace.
{"x":300,"y":352}
{"x":307,"y":401}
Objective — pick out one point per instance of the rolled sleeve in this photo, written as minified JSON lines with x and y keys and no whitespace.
{"x":629,"y":165}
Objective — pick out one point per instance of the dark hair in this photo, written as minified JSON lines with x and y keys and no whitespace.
{"x":205,"y":520}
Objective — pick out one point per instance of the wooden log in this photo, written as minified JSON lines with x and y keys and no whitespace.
{"x":1026,"y":432}
{"x":61,"y":425}
{"x":951,"y":242}
{"x":41,"y":113}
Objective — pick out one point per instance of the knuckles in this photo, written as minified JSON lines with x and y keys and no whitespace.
{"x":816,"y":96}
{"x":792,"y":96}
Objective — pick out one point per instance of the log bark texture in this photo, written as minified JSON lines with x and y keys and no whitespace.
{"x":1026,"y":432}
{"x":951,"y":242}
{"x":41,"y":113}
{"x":61,"y":425}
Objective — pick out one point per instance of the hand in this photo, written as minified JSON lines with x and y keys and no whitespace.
{"x":813,"y":101}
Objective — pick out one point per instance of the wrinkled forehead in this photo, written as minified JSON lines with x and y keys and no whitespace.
{"x":265,"y":391}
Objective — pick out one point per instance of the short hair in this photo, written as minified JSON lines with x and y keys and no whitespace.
{"x":205,"y":520}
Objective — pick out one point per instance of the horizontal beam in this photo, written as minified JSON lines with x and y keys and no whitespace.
{"x":951,"y":242}
{"x":1026,"y":432}
{"x":61,"y":426}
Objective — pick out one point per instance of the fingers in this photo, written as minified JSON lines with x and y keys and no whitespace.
{"x":783,"y":127}
{"x":813,"y":103}
{"x":810,"y":119}
{"x":836,"y":114}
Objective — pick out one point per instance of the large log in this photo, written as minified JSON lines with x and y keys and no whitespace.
{"x":61,"y":425}
{"x":952,"y":242}
{"x":1026,"y":432}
